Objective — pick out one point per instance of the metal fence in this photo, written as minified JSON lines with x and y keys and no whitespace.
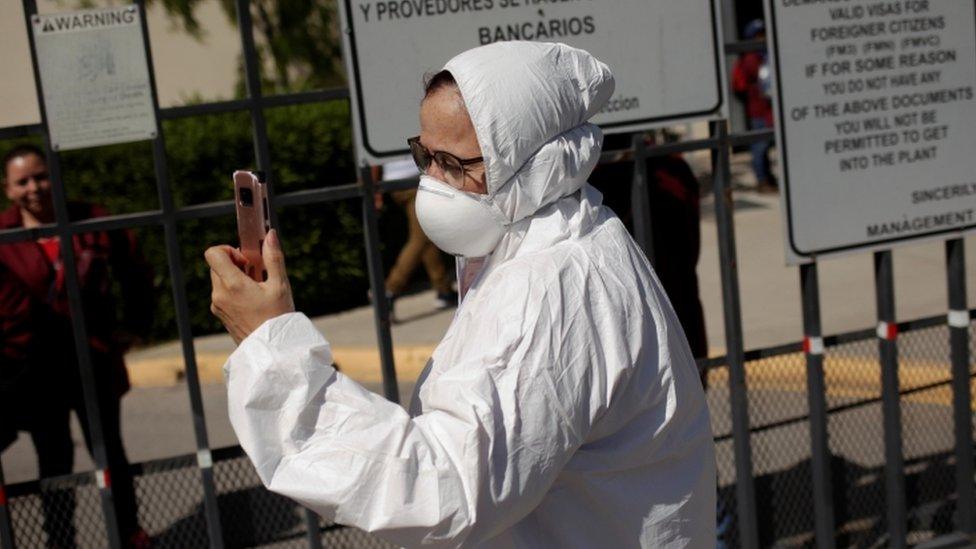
{"x":815,"y":490}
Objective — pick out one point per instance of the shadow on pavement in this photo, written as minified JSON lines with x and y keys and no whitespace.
{"x":785,"y":505}
{"x":171,"y":505}
{"x":252,"y":516}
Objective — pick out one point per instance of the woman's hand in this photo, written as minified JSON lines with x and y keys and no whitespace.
{"x":240,"y":303}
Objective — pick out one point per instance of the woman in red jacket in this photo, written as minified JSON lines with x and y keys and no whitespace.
{"x":102,"y":258}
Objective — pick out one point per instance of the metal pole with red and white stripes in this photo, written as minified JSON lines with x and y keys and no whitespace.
{"x":890,"y":404}
{"x":959,"y":322}
{"x":813,"y":350}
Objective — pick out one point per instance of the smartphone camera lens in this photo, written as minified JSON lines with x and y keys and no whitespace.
{"x":246,"y":196}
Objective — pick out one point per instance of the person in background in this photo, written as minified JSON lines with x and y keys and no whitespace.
{"x":102,"y":258}
{"x":18,"y":381}
{"x":751,"y":81}
{"x":418,"y":248}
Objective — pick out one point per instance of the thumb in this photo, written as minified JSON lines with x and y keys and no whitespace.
{"x":274,"y":258}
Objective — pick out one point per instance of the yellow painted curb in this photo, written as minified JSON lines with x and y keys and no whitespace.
{"x":359,"y":363}
{"x":853,"y":377}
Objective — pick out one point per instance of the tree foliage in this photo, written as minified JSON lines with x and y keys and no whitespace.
{"x":310,"y":148}
{"x":298,"y":40}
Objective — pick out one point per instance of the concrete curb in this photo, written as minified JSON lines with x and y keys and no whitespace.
{"x":850,"y":377}
{"x":359,"y":363}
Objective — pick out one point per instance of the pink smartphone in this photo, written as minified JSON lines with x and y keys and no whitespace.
{"x":253,"y":219}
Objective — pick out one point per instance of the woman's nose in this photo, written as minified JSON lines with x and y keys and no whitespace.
{"x":434,"y":170}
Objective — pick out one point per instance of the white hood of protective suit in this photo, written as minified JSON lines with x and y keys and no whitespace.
{"x":529,"y":103}
{"x":562,"y":408}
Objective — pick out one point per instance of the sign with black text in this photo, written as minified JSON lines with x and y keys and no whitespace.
{"x":665,"y":56}
{"x":876,"y":121}
{"x":95,"y":77}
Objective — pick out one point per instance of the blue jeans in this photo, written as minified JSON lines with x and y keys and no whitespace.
{"x":760,"y":154}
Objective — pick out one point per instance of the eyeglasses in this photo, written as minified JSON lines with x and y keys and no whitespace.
{"x":454,"y":168}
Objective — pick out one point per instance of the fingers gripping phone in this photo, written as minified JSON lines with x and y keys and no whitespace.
{"x":253,"y":219}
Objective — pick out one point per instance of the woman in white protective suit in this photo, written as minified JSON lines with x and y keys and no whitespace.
{"x":562,"y":408}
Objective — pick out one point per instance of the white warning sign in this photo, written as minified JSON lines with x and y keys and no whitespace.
{"x":94,"y":77}
{"x":665,"y":56}
{"x":876,"y":120}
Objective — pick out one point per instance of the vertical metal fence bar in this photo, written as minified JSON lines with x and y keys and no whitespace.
{"x":252,"y":79}
{"x":961,"y":398}
{"x":813,"y":347}
{"x":640,"y":199}
{"x":180,"y":301}
{"x":745,"y":489}
{"x":730,"y":32}
{"x":313,"y":533}
{"x":890,"y":405}
{"x":6,"y":527}
{"x":381,"y":308}
{"x":262,"y":152}
{"x":75,"y":304}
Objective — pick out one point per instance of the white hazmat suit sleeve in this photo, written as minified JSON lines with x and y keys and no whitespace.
{"x":491,"y":439}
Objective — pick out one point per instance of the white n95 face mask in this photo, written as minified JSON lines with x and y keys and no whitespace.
{"x":456,"y":221}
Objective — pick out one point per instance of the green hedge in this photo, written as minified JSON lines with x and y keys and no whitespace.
{"x":310,"y":147}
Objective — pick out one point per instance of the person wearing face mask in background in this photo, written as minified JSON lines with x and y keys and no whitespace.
{"x":561,"y":409}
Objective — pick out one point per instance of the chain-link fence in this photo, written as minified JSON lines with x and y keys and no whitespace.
{"x":65,"y":512}
{"x":780,"y":439}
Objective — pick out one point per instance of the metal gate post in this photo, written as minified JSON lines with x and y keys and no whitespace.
{"x":890,"y":405}
{"x":959,"y":345}
{"x":252,"y":80}
{"x":640,"y":199}
{"x":263,"y":155}
{"x":745,"y":490}
{"x":6,"y":527}
{"x":181,"y":303}
{"x":75,"y":304}
{"x":381,"y":308}
{"x":813,"y":349}
{"x":313,"y":529}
